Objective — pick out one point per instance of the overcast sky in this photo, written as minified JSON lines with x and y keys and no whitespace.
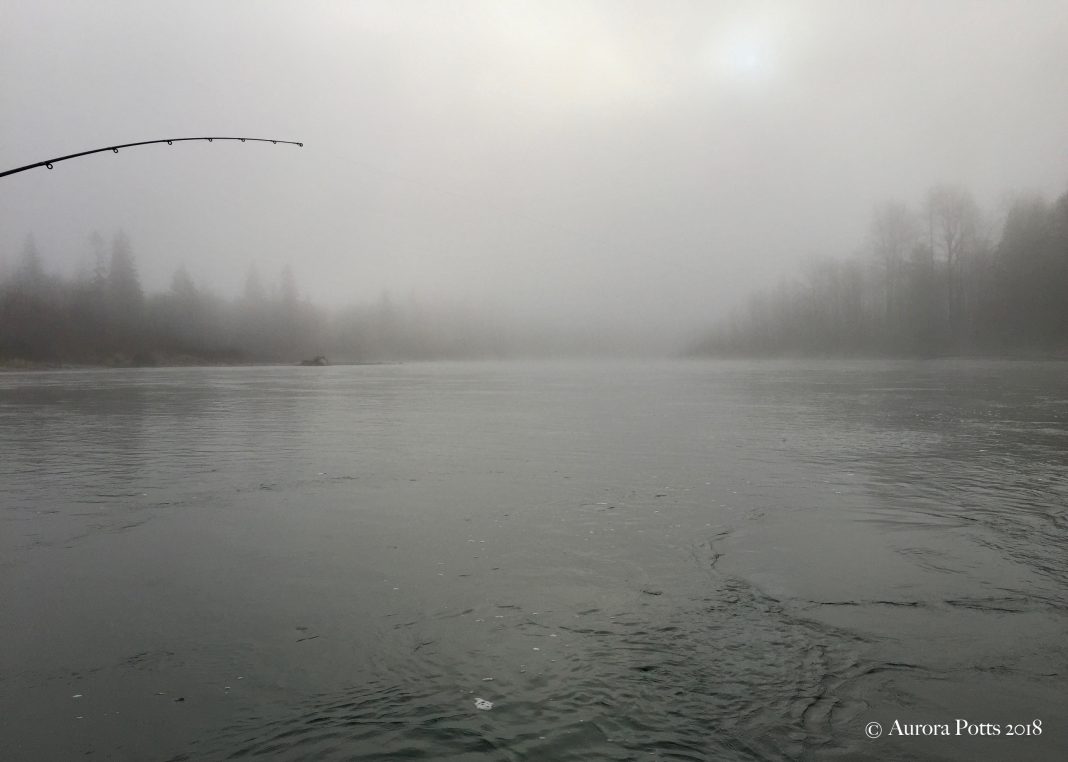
{"x":635,"y":163}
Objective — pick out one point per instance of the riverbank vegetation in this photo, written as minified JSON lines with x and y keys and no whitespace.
{"x":103,"y":316}
{"x":937,"y":278}
{"x":942,"y":277}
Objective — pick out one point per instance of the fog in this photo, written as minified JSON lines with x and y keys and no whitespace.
{"x":623,"y":173}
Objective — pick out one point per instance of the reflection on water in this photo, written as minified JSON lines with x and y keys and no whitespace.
{"x":674,"y":561}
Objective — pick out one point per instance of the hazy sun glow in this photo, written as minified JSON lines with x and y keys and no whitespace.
{"x":747,"y":52}
{"x":748,"y":59}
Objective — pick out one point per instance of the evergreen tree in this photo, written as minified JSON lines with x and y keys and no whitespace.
{"x":125,"y":297}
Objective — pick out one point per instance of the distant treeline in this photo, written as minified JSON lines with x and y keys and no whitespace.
{"x":938,"y":279}
{"x":102,"y":316}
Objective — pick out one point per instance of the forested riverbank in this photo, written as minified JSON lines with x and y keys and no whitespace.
{"x":943,"y":277}
{"x":103,"y":316}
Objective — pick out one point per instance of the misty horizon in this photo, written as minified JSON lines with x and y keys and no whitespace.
{"x":943,"y":276}
{"x":561,"y":163}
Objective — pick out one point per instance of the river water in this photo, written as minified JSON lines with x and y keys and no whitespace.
{"x":677,"y":560}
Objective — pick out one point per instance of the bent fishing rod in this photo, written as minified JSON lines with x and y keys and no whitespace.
{"x":115,"y":149}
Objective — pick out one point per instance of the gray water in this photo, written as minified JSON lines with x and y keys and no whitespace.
{"x":659,"y":561}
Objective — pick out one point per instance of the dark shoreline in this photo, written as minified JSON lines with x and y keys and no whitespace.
{"x":1021,"y":356}
{"x":20,"y":366}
